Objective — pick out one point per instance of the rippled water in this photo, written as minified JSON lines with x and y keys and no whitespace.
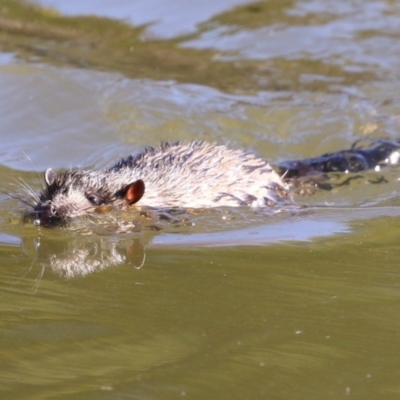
{"x":200,"y":303}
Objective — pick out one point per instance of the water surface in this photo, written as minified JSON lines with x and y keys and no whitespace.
{"x":200,"y":304}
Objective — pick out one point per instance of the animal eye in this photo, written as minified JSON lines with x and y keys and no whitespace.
{"x":94,"y":199}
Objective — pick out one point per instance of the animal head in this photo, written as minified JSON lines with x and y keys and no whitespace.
{"x":70,"y":194}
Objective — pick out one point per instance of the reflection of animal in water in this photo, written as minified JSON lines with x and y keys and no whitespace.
{"x":72,"y":257}
{"x":193,"y":175}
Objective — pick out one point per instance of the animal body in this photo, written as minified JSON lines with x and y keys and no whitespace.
{"x":191,"y":175}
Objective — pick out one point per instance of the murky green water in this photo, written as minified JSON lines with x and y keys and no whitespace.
{"x":220,"y":304}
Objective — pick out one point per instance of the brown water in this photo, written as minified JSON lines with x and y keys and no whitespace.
{"x":220,"y":304}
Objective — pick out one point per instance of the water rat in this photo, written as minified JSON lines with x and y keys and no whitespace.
{"x":189,"y":175}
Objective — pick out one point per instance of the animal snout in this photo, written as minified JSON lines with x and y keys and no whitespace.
{"x":46,"y":215}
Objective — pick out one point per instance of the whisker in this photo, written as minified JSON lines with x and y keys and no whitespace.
{"x":28,"y":202}
{"x":29,"y":189}
{"x":32,"y":163}
{"x":26,"y":192}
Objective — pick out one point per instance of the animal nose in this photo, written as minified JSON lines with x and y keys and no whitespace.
{"x":45,"y":214}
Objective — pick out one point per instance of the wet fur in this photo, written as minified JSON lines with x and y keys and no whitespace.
{"x":191,"y":175}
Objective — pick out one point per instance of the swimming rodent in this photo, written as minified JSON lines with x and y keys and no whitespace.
{"x":191,"y":175}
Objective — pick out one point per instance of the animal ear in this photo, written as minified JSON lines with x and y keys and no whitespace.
{"x":49,"y":176}
{"x":133,"y":192}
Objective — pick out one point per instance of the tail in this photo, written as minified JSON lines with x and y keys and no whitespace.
{"x":360,"y":157}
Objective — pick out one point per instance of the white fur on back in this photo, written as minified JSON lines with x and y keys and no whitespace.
{"x":199,"y":174}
